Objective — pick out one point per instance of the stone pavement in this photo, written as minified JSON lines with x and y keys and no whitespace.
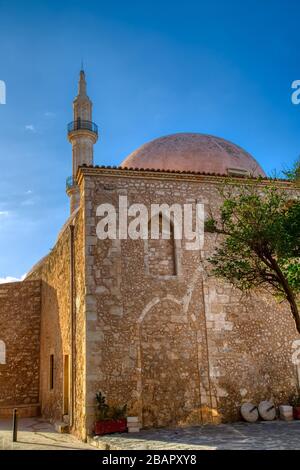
{"x":263,"y":435}
{"x":37,"y":434}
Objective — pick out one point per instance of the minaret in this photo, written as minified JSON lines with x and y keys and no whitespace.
{"x":83,"y":134}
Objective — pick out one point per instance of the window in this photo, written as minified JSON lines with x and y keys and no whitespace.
{"x":237,"y":172}
{"x":51,"y":376}
{"x":2,"y":352}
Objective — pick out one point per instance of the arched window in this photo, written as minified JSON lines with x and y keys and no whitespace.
{"x":161,"y":254}
{"x":2,"y":352}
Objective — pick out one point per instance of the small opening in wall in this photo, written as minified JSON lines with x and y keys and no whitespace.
{"x":2,"y":352}
{"x":237,"y":172}
{"x":51,"y":371}
{"x":66,"y":376}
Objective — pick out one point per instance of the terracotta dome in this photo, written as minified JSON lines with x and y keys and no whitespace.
{"x":194,"y":152}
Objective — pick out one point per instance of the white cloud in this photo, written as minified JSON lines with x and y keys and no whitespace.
{"x":4,"y":213}
{"x":49,"y":114}
{"x":4,"y":280}
{"x":29,"y":191}
{"x":30,"y":127}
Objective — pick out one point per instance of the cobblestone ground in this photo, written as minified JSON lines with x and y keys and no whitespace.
{"x":265,"y":435}
{"x":37,"y":434}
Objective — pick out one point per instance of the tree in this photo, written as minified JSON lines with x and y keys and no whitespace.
{"x":293,"y":174}
{"x":260,"y":246}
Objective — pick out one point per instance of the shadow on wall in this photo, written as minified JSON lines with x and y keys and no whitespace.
{"x":19,"y":345}
{"x":52,"y":354}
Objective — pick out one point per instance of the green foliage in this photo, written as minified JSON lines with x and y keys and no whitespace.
{"x":210,"y":226}
{"x":102,"y":407}
{"x":261,"y":241}
{"x":294,"y":400}
{"x":118,"y":412}
{"x":291,"y":270}
{"x":293,"y":174}
{"x":106,"y":412}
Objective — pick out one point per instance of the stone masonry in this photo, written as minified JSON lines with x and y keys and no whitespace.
{"x":20,"y":333}
{"x":181,"y":348}
{"x":143,"y":322}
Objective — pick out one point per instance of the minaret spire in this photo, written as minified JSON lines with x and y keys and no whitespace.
{"x":82,"y":84}
{"x":83,"y":134}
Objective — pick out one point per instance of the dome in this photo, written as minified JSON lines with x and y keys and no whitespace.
{"x":194,"y":152}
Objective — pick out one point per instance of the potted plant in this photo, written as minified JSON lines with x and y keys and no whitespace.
{"x":110,"y":419}
{"x":295,"y":403}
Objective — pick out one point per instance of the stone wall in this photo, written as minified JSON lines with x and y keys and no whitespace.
{"x":56,"y":326}
{"x":20,"y":337}
{"x":151,"y":328}
{"x":182,"y":348}
{"x":80,"y":327}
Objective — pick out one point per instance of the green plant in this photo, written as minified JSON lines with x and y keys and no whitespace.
{"x":294,"y":400}
{"x":259,"y":248}
{"x":102,"y":407}
{"x":293,"y":173}
{"x":118,"y":412}
{"x":106,"y":412}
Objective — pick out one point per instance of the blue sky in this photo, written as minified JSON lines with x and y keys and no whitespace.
{"x":153,"y":68}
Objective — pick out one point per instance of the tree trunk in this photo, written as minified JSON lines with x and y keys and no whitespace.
{"x":295,"y":312}
{"x":290,"y":297}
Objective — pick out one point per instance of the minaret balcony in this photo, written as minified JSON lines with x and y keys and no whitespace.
{"x":70,"y":183}
{"x":82,"y":125}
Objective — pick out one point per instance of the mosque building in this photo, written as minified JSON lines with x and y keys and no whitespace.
{"x":141,"y":320}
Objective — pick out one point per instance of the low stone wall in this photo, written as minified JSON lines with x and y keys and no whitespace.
{"x":19,"y":346}
{"x":56,"y":327}
{"x":24,"y":411}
